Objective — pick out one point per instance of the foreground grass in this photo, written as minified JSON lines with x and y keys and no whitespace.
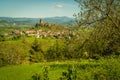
{"x":104,"y":69}
{"x":24,"y":72}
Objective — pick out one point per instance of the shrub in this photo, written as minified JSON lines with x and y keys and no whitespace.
{"x":45,"y":73}
{"x":109,"y":70}
{"x":71,"y":74}
{"x":36,"y":76}
{"x":36,"y":52}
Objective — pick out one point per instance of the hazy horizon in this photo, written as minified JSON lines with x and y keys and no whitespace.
{"x":36,"y":17}
{"x":38,"y":8}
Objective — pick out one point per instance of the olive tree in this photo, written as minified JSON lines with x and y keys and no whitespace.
{"x":104,"y":16}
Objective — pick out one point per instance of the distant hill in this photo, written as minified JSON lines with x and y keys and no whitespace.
{"x":59,"y":20}
{"x":9,"y":21}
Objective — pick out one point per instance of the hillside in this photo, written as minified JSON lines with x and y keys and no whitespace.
{"x":9,"y":21}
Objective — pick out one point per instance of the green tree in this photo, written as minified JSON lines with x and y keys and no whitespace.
{"x":36,"y":52}
{"x":55,"y":52}
{"x":104,"y":16}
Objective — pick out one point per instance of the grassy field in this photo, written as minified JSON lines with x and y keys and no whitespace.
{"x":25,"y":72}
{"x":45,"y":43}
{"x":103,"y":69}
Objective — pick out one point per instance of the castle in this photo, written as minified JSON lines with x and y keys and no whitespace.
{"x":44,"y":24}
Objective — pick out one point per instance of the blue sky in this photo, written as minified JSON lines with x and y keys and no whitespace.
{"x":38,"y":8}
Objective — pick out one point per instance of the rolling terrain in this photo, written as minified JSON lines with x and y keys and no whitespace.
{"x":9,"y":21}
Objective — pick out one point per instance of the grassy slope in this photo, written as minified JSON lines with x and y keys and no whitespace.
{"x":45,"y":43}
{"x":24,"y":72}
{"x":103,"y":69}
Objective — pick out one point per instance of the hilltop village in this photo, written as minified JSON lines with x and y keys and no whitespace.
{"x":43,"y":29}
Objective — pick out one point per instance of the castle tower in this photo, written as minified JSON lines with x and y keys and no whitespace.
{"x":41,"y":21}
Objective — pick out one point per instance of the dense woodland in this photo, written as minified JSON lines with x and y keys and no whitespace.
{"x":95,"y":36}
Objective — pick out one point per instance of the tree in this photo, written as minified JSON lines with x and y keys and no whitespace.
{"x":55,"y":52}
{"x":104,"y":16}
{"x":97,"y":10}
{"x":36,"y":52}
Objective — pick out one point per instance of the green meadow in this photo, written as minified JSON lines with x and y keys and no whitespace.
{"x":107,"y":69}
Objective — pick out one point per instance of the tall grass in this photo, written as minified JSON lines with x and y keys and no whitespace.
{"x":103,"y":69}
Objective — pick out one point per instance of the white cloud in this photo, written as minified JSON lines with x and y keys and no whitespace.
{"x":58,"y":6}
{"x":57,"y":9}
